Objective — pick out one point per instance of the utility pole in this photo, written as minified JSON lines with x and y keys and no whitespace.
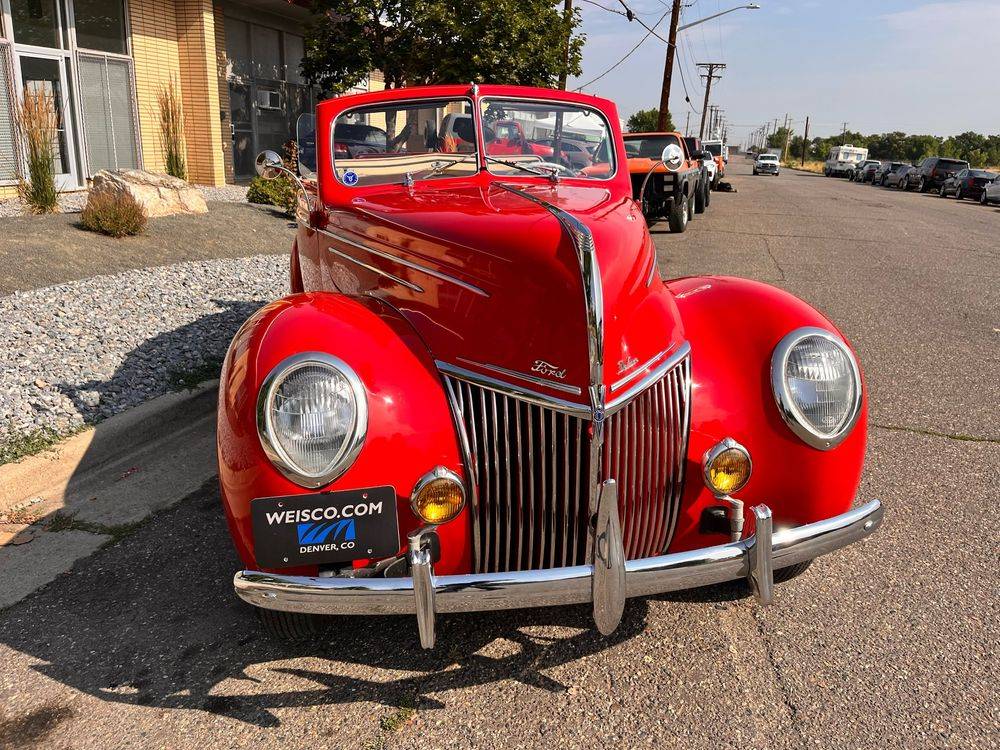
{"x":805,"y":141}
{"x":843,"y":135}
{"x":668,"y":67}
{"x":788,"y":135}
{"x":567,"y":14}
{"x":709,"y":77}
{"x":687,"y":124}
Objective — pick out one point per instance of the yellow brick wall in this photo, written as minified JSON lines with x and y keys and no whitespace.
{"x":8,"y":191}
{"x":221,"y":63}
{"x":200,"y":85}
{"x":176,"y":40}
{"x":157,"y":62}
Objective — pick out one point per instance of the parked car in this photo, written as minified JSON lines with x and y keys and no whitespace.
{"x":843,"y":159}
{"x":573,"y":152}
{"x":897,"y":178}
{"x":709,"y":167}
{"x":968,"y":183}
{"x":720,"y":152}
{"x":882,"y":173}
{"x":766,"y":164}
{"x":358,"y":139}
{"x":933,"y":171}
{"x":480,"y":395}
{"x":868,"y":171}
{"x":665,"y":187}
{"x":854,"y":175}
{"x":990,"y":193}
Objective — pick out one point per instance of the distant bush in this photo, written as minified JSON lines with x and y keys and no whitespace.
{"x":280,"y":192}
{"x":116,"y":215}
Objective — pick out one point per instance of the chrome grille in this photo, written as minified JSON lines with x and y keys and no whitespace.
{"x":529,"y":469}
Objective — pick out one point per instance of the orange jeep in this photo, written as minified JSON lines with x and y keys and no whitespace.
{"x":672,"y":187}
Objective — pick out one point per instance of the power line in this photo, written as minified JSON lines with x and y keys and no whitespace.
{"x":627,"y":55}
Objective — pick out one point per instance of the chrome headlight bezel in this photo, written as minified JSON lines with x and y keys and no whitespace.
{"x":265,"y":427}
{"x":787,"y":407}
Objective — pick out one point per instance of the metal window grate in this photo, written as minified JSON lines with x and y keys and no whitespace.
{"x":529,"y":468}
{"x":109,"y":121}
{"x":9,"y":153}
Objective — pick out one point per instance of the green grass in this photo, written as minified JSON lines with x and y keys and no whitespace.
{"x":30,"y":443}
{"x":68,"y":522}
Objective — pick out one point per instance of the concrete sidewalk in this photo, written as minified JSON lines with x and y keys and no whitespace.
{"x":95,"y":487}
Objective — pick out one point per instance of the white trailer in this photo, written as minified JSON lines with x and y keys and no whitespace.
{"x":843,"y":160}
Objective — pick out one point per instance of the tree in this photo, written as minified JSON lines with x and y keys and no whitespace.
{"x":646,"y":120}
{"x":777,"y":138}
{"x":440,"y":41}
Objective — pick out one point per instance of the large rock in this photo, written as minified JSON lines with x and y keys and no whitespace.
{"x":159,"y":194}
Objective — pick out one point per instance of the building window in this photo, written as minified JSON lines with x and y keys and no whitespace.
{"x":100,"y":25}
{"x":35,"y":22}
{"x":108,"y":116}
{"x":8,"y":152}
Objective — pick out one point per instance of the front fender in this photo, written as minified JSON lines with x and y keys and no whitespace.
{"x":733,"y":326}
{"x":410,"y":424}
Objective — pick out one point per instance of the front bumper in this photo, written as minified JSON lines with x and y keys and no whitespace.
{"x":606,"y":583}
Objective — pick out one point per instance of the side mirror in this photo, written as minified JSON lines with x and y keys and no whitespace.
{"x":268,"y":165}
{"x":672,"y":157}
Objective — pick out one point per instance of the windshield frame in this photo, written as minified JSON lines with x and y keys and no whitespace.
{"x":402,"y":104}
{"x":485,"y":99}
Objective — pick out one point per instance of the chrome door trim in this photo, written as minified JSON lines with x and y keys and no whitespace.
{"x":525,"y":376}
{"x":403,"y":262}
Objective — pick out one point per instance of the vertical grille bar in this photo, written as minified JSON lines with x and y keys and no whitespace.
{"x":531,"y":471}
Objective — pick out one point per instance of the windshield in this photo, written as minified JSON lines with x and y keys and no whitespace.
{"x":951,"y":164}
{"x":525,"y":137}
{"x":715,"y":148}
{"x":648,"y":146}
{"x":385,"y":142}
{"x":767,"y":157}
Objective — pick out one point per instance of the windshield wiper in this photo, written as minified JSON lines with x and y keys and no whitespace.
{"x":444,"y":167}
{"x":549,"y":172}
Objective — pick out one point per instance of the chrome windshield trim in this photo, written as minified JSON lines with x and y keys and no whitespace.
{"x":515,"y":391}
{"x":403,"y":262}
{"x":525,"y":376}
{"x":656,"y":374}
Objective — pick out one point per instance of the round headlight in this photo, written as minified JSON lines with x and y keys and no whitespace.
{"x":817,"y":386}
{"x":312,"y":415}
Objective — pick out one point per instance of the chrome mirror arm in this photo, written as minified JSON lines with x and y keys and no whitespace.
{"x":269,"y":165}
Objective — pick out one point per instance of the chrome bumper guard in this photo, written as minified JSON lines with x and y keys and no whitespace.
{"x":606,"y":583}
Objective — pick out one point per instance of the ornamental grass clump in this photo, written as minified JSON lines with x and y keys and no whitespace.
{"x":38,"y":126}
{"x":172,"y":129}
{"x":116,"y":215}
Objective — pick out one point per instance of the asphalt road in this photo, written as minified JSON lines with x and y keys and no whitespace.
{"x":890,"y":644}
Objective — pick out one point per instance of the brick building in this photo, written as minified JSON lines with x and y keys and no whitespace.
{"x":236,"y":65}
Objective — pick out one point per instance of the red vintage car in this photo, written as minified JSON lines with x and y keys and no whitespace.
{"x":480,"y":394}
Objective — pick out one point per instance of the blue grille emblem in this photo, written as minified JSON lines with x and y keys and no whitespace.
{"x":326,"y":531}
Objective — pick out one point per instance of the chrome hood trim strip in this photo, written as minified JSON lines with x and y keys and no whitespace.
{"x":565,"y":388}
{"x":403,"y":262}
{"x":679,"y":354}
{"x":515,"y":391}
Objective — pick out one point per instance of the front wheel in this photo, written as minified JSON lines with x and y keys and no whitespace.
{"x":942,"y":192}
{"x":922,"y":185}
{"x":958,"y":194}
{"x":983,"y":201}
{"x":677,"y":219}
{"x":755,"y":173}
{"x":792,"y":571}
{"x":708,"y":196}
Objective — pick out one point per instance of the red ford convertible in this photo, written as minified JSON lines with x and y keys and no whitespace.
{"x":480,"y":394}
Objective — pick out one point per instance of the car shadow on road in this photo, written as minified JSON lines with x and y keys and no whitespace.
{"x":152,"y":621}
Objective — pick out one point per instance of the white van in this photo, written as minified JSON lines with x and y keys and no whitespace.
{"x":844,"y":160}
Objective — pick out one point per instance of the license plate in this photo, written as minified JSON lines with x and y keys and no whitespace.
{"x":326,"y":527}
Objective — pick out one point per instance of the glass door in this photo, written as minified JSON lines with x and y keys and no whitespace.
{"x":47,"y":74}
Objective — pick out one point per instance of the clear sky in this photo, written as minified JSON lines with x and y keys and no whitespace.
{"x":881,"y":65}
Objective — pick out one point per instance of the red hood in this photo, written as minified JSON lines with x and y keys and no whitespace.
{"x":532,"y":306}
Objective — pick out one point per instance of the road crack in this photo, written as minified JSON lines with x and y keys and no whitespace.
{"x":934,"y":433}
{"x":774,"y":260}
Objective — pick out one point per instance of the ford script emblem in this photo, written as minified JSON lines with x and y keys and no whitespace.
{"x":544,"y":368}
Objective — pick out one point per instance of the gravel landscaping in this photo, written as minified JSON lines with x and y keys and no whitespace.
{"x":79,"y":352}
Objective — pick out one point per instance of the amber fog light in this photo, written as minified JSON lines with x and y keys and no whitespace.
{"x":727,"y":467}
{"x":438,"y":496}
